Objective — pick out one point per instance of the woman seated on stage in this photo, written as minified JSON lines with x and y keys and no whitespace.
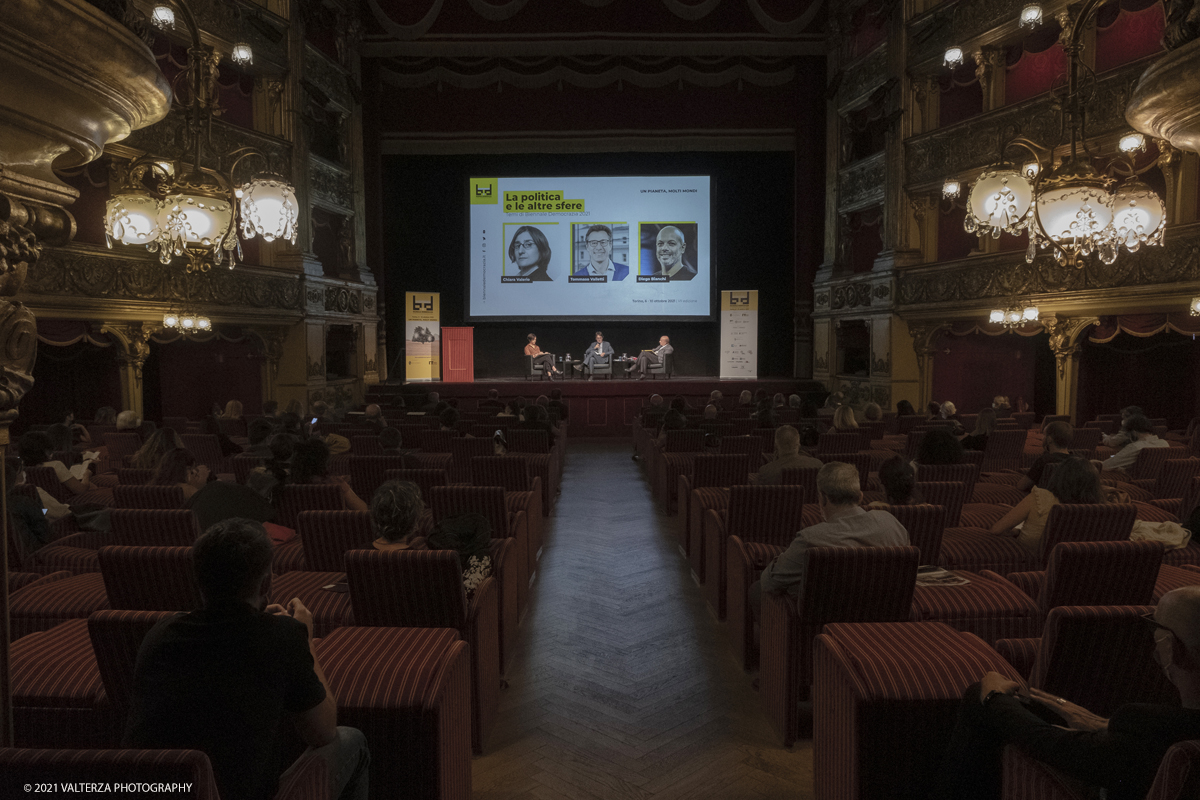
{"x":545,"y":359}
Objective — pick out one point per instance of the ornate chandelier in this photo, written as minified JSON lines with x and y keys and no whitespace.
{"x":1069,"y":207}
{"x":182,"y":208}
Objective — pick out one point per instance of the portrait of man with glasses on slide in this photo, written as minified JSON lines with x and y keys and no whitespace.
{"x":599,"y":244}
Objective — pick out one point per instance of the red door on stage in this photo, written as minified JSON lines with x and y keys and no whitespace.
{"x":458,"y":355}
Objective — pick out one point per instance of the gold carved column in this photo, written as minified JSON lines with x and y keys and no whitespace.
{"x":1064,"y":342}
{"x":923,"y":333}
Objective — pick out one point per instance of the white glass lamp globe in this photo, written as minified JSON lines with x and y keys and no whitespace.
{"x":999,"y":200}
{"x":132,"y":218}
{"x":1138,"y":215}
{"x":268,"y":209}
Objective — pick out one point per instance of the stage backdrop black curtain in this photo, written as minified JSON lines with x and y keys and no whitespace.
{"x":425,"y":223}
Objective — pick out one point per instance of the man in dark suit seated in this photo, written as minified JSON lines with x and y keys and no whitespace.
{"x":1120,"y":754}
{"x":493,"y":401}
{"x":655,"y":356}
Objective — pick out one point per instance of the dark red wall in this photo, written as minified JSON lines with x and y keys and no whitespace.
{"x":971,"y":370}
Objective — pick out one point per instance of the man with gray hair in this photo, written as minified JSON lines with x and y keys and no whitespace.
{"x":847,"y":524}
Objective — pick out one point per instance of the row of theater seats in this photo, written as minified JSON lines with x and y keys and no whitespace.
{"x":878,"y":654}
{"x":414,"y":665}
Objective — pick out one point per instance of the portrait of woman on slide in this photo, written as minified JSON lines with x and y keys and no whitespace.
{"x":530,"y":252}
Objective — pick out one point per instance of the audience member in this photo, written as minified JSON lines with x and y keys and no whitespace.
{"x":282,"y":448}
{"x":470,"y":536}
{"x":760,"y":396}
{"x":105,"y":415}
{"x":1118,"y":756}
{"x":320,"y":413}
{"x":431,"y":403}
{"x":395,"y":509}
{"x":715,"y":398}
{"x":294,"y":407}
{"x":984,"y":425}
{"x":222,"y":679}
{"x":556,"y":402}
{"x":679,"y":403}
{"x":448,"y":419}
{"x":937,"y":447}
{"x":373,"y":417}
{"x":834,"y":400}
{"x":1074,"y":481}
{"x":30,"y":524}
{"x":218,"y":501}
{"x":493,"y":401}
{"x":905,"y":409}
{"x":843,"y":419}
{"x":872,"y":412}
{"x":259,"y":432}
{"x":787,"y":456}
{"x":899,"y":481}
{"x":1002,"y":407}
{"x":179,"y":467}
{"x":270,"y":408}
{"x":934,"y":409}
{"x":671,"y":421}
{"x":211,"y":426}
{"x":310,"y":465}
{"x":847,"y":524}
{"x":765,"y":417}
{"x":778,"y":401}
{"x":150,"y":454}
{"x":1121,"y":438}
{"x":794,"y":401}
{"x":129,"y":422}
{"x":233,"y":410}
{"x":510,"y":409}
{"x":61,"y":439}
{"x":745,"y":399}
{"x":35,"y":448}
{"x":536,"y":419}
{"x":1056,"y":444}
{"x":710,"y":413}
{"x":1141,"y":436}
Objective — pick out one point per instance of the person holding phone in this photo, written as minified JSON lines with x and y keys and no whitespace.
{"x":269,"y":672}
{"x":1120,"y":754}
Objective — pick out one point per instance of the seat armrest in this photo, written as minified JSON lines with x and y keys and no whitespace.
{"x":308,"y":777}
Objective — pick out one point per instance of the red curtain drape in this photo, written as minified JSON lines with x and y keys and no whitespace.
{"x":1143,"y":325}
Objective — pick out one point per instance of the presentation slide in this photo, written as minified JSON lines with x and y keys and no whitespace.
{"x":590,"y":248}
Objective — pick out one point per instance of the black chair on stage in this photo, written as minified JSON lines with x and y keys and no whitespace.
{"x":601,"y":367}
{"x":665,"y":367}
{"x":533,"y":370}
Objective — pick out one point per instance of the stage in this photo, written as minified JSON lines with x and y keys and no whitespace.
{"x":599,"y":408}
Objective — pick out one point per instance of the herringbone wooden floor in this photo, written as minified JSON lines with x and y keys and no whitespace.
{"x":623,"y":685}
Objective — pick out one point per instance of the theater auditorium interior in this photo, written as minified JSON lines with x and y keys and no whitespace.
{"x":626,"y":277}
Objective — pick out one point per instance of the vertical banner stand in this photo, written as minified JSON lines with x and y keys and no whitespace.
{"x":739,"y":335}
{"x":422,"y":336}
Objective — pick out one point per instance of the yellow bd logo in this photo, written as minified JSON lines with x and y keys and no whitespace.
{"x":483,"y":191}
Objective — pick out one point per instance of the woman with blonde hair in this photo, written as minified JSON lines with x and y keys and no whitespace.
{"x":159,"y":443}
{"x":233,"y":410}
{"x":843,"y":418}
{"x":978,"y":438}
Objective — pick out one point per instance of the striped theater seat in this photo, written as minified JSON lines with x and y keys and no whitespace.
{"x":857,"y":584}
{"x":366,"y":445}
{"x":408,"y":690}
{"x":988,"y":606}
{"x":145,"y":496}
{"x":292,"y":498}
{"x":1024,"y":777}
{"x":206,"y":447}
{"x":745,"y":561}
{"x":767,"y":514}
{"x":369,"y":472}
{"x":1095,"y":656}
{"x":462,"y":450}
{"x":871,"y":680}
{"x":1174,"y":479}
{"x":452,"y":501}
{"x":967,"y":474}
{"x":751,"y":446}
{"x":150,"y":578}
{"x":327,"y":535}
{"x":120,"y":446}
{"x":130,"y":527}
{"x":925,"y":524}
{"x":330,"y":608}
{"x":42,"y":606}
{"x":131,"y":476}
{"x":423,"y":589}
{"x":706,"y":487}
{"x":522,"y":492}
{"x":1092,"y":574}
{"x":243,"y":465}
{"x":1003,"y":451}
{"x":58,"y":696}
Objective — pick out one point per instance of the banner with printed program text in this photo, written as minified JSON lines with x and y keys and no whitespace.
{"x":739,"y":335}
{"x":422,"y":336}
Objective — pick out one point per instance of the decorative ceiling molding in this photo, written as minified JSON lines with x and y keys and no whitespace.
{"x":767,"y":25}
{"x":598,"y":43}
{"x":589,"y":141}
{"x":587,"y":74}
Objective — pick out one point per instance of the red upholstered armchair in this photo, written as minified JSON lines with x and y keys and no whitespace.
{"x":1096,"y":656}
{"x":1178,"y":777}
{"x":925,"y":524}
{"x":327,"y":535}
{"x":307,"y":780}
{"x":150,"y":578}
{"x":292,"y":498}
{"x":1093,"y":574}
{"x":768,"y":514}
{"x":1003,"y":451}
{"x":706,"y":487}
{"x":522,"y":492}
{"x":462,"y":450}
{"x":423,"y":589}
{"x":845,"y":584}
{"x":148,"y":497}
{"x":833,"y":443}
